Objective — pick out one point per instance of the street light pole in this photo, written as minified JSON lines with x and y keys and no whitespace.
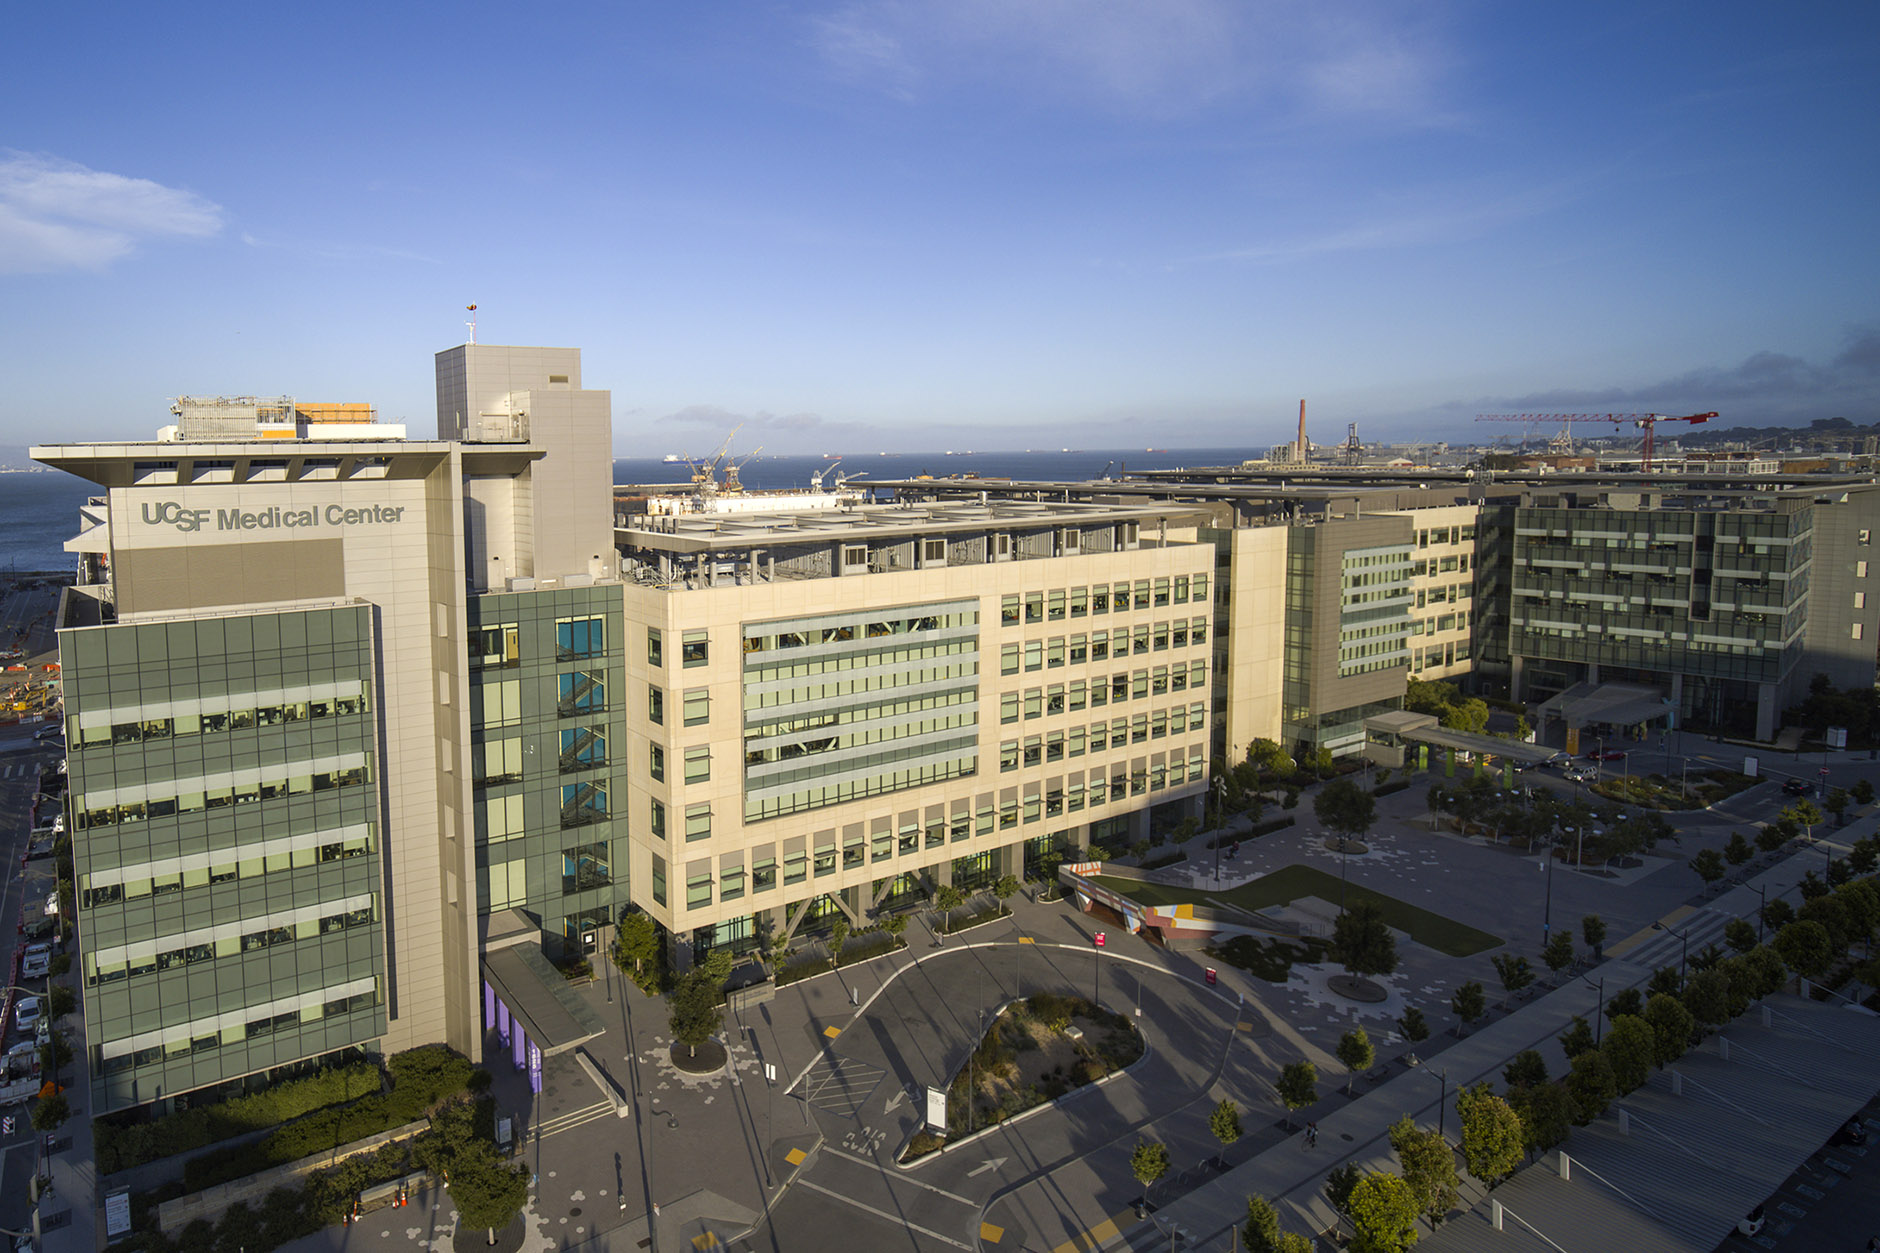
{"x":1547,"y":914}
{"x":1762,"y":909}
{"x":1599,"y":1015}
{"x":1684,"y":951}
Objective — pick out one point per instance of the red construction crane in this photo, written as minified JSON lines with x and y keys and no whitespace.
{"x":1646,"y":422}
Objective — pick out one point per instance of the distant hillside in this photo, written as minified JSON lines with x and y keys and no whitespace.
{"x":1821,"y":435}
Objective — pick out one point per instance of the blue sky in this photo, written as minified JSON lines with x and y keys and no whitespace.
{"x":950,"y":223}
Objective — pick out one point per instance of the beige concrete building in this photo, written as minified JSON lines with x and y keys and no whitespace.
{"x":844,"y":708}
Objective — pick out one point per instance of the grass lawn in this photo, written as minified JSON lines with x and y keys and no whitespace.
{"x":1283,"y":887}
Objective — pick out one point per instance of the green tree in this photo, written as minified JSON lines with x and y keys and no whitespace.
{"x":1383,"y":1214}
{"x":1590,"y":1084}
{"x":1339,"y":1184}
{"x":1004,"y":888}
{"x":1805,"y":948}
{"x":1345,"y":808}
{"x":838,"y":936}
{"x":947,"y":899}
{"x":1355,"y":1053}
{"x":1630,"y":1048}
{"x":1546,"y":1114}
{"x":1625,"y":1001}
{"x":1525,"y":1069}
{"x":1777,"y":915}
{"x":1298,"y":1085}
{"x":636,"y":942}
{"x":1514,"y":971}
{"x":1429,"y":1167}
{"x":1261,"y":1233}
{"x":1577,"y":1038}
{"x":1863,"y":855}
{"x":50,"y":1112}
{"x":1593,"y":931}
{"x":1766,"y":969}
{"x":1664,"y":979}
{"x":487,"y":1193}
{"x":1739,"y":935}
{"x":1709,"y":865}
{"x":1707,"y":996}
{"x":1414,"y":1026}
{"x":1361,"y":940}
{"x":696,"y":1014}
{"x":1224,"y":1122}
{"x":1771,"y":837}
{"x":1837,"y":804}
{"x":1863,"y":792}
{"x":60,"y":1001}
{"x":1470,"y":1002}
{"x":1559,"y":951}
{"x":1492,"y":1142}
{"x":1737,"y":851}
{"x":1148,"y":1161}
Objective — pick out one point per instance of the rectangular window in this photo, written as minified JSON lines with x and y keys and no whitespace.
{"x":493,"y":646}
{"x":1160,"y":636}
{"x":698,"y":886}
{"x":1054,"y":606}
{"x":1074,"y":796}
{"x":1865,"y":536}
{"x":1034,"y":654}
{"x":1099,"y":600}
{"x":1119,"y":687}
{"x":1139,"y":684}
{"x":1100,"y":646}
{"x":882,"y":844}
{"x":698,"y":821}
{"x":855,"y":555}
{"x":730,"y":883}
{"x":1160,"y":599}
{"x":1008,"y":755}
{"x":1034,"y":607}
{"x":1860,"y":600}
{"x":1201,"y":587}
{"x":1008,"y":659}
{"x":1008,"y":611}
{"x":908,"y":838}
{"x":1080,"y":650}
{"x":1860,"y":569}
{"x":1181,"y":589}
{"x":1158,"y":681}
{"x":659,"y":880}
{"x":1139,"y":728}
{"x":1008,"y":815}
{"x":763,"y":873}
{"x":655,"y":647}
{"x":933,"y":552}
{"x":657,"y":762}
{"x":1178,"y":720}
{"x":1034,"y":702}
{"x":580,"y":637}
{"x":1198,"y":631}
{"x":1142,"y":639}
{"x":1075,"y":702}
{"x":698,"y":706}
{"x":695,"y":648}
{"x":1034,"y":750}
{"x":1032,"y":807}
{"x":1054,"y":746}
{"x":1076,"y":742}
{"x":656,"y":705}
{"x":582,"y":803}
{"x":1008,"y":707}
{"x":658,"y":822}
{"x":1158,"y":724}
{"x":1099,"y":736}
{"x":795,"y":866}
{"x":496,"y":761}
{"x":583,"y":748}
{"x":698,"y":764}
{"x":1054,"y":652}
{"x":1054,"y":700}
{"x":1080,"y":602}
{"x":1855,"y":630}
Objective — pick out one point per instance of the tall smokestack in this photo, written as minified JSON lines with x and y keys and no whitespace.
{"x":1299,"y":445}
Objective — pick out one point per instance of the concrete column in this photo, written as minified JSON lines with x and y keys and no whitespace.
{"x":1766,"y":711}
{"x":1517,"y":674}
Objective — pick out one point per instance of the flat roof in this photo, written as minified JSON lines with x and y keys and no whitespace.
{"x":552,"y":1013}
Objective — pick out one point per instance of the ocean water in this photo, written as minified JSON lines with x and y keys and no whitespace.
{"x":777,"y":473}
{"x":39,"y":511}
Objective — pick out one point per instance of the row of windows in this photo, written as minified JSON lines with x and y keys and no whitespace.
{"x":756,"y":808}
{"x":1059,"y":698}
{"x":499,"y":704}
{"x":218,"y":798}
{"x":495,"y":762}
{"x":84,"y":737}
{"x":756,"y":753}
{"x":1099,"y":737}
{"x":879,"y":629}
{"x":253,"y":1029}
{"x":235,"y":868}
{"x":820,"y":717}
{"x":1463,"y":534}
{"x":1098,"y":646}
{"x":820,"y":662}
{"x":694,"y":647}
{"x":1078,"y":602}
{"x":835,"y":688}
{"x":1075,"y":795}
{"x":233,"y":946}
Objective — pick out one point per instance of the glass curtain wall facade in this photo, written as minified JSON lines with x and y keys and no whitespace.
{"x":226,"y":816}
{"x":548,"y":758}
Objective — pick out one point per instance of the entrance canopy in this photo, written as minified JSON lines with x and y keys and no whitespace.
{"x":1402,"y":726}
{"x":1609,"y":704}
{"x":550,"y":1012}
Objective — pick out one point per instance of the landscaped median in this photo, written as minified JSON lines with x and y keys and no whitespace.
{"x":1296,"y":882}
{"x":1035,"y":1051}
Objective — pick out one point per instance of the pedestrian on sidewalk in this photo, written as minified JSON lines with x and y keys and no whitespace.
{"x":1312,"y":1135}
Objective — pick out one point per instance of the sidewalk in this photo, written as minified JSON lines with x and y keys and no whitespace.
{"x":1293,"y":1178}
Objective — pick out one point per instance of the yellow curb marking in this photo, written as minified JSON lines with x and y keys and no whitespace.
{"x":1025,"y":939}
{"x":992,"y":1233}
{"x":832,"y":1032}
{"x":795,"y":1157}
{"x":706,"y":1241}
{"x":1095,"y":1237}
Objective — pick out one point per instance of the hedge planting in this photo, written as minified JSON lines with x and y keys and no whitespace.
{"x":420,"y":1079}
{"x":122,"y":1146}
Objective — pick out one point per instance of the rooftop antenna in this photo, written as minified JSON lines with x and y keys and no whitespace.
{"x":472,"y":323}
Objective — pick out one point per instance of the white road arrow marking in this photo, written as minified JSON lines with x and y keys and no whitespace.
{"x":992,"y":1163}
{"x":894,"y":1102}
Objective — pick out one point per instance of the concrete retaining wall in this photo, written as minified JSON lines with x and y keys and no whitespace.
{"x":210,"y":1203}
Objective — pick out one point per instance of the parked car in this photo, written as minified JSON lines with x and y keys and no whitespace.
{"x":1610,"y":754}
{"x":40,"y":928}
{"x":1797,"y":786}
{"x":36,"y":966}
{"x":1580,"y":774}
{"x":26,"y":1013}
{"x":47,"y":733}
{"x":1853,"y":1133}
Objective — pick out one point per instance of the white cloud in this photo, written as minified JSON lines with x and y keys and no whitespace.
{"x":59,"y":215}
{"x":1154,"y":56}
